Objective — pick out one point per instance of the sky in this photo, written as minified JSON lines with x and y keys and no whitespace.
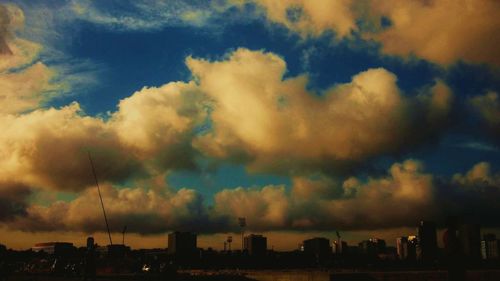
{"x":304,"y":117}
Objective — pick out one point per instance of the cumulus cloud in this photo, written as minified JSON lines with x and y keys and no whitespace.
{"x":159,"y":123}
{"x":474,"y":194}
{"x":48,"y":149}
{"x":312,"y":203}
{"x":478,"y":176}
{"x":143,"y":211}
{"x":358,"y":204}
{"x":150,"y":133}
{"x":265,"y":208}
{"x":256,"y":116}
{"x":441,"y":31}
{"x":276,"y":123}
{"x":361,"y":204}
{"x":488,"y":108}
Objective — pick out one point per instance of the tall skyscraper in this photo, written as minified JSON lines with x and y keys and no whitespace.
{"x":182,"y":243}
{"x":256,"y":245}
{"x":427,"y":241}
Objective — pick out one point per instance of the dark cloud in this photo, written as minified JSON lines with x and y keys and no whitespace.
{"x":487,"y":107}
{"x":404,"y":196}
{"x":13,"y":200}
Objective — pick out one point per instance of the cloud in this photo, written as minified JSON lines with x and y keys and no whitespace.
{"x":478,"y":176}
{"x":363,"y":204}
{"x":312,"y":204}
{"x":149,"y":134}
{"x":143,"y":211}
{"x":311,"y":18}
{"x":473,"y":195}
{"x":441,"y":31}
{"x":265,"y":208}
{"x":274,"y":123}
{"x":488,"y":108}
{"x":159,"y":123}
{"x":25,"y":82}
{"x":256,"y":117}
{"x":358,"y":204}
{"x":13,"y":199}
{"x":143,"y":15}
{"x":478,"y":146}
{"x":48,"y":149}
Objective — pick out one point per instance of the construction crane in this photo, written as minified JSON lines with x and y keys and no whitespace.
{"x":100,"y":197}
{"x":123,"y":234}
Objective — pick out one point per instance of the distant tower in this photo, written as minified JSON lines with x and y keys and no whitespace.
{"x":243,"y":223}
{"x":229,"y":240}
{"x":427,"y":241}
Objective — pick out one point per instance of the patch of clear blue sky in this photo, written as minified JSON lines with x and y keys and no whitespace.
{"x":208,"y":182}
{"x":135,"y":59}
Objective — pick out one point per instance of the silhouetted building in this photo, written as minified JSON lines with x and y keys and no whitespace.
{"x":182,"y":243}
{"x":318,"y":247}
{"x":402,"y":247}
{"x":339,"y":247}
{"x":372,"y":247}
{"x":469,"y":236}
{"x":117,"y":250}
{"x":54,"y":248}
{"x":427,"y":241}
{"x":490,"y":247}
{"x":256,"y":245}
{"x":412,"y":247}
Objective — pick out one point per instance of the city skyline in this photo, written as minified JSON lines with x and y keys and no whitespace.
{"x":304,"y":117}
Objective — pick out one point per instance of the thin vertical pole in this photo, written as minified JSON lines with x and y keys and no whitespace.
{"x":100,"y":197}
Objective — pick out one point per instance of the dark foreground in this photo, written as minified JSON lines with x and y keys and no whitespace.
{"x":288,"y":275}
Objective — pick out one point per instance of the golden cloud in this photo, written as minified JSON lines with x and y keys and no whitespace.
{"x":441,"y":31}
{"x":25,"y":83}
{"x":275,"y":122}
{"x":143,"y":211}
{"x":308,"y":17}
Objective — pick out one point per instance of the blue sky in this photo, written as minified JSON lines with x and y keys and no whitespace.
{"x":437,"y":124}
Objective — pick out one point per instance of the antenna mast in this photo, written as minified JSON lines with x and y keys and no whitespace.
{"x":100,"y":197}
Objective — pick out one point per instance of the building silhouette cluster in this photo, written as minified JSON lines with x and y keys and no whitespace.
{"x":463,"y":245}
